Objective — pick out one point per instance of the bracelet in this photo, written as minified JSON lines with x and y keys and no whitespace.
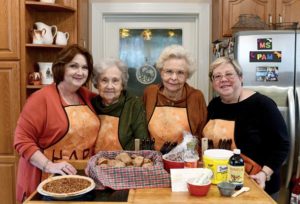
{"x":45,"y":165}
{"x":268,"y":177}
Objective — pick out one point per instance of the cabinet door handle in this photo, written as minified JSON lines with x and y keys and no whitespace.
{"x":280,"y":18}
{"x":270,"y":19}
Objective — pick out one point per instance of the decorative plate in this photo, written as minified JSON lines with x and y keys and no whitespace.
{"x":146,"y":74}
{"x":66,"y":187}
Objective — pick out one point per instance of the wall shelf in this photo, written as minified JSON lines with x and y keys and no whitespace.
{"x":44,"y":46}
{"x":35,"y":86}
{"x":64,"y":15}
{"x":48,"y":6}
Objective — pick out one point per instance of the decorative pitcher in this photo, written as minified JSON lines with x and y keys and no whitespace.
{"x":37,"y":36}
{"x":62,"y":38}
{"x":50,"y":31}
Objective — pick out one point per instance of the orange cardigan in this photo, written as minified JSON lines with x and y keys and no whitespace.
{"x":194,"y":102}
{"x":42,"y":122}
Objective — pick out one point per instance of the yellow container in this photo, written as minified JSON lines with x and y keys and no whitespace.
{"x":217,"y":161}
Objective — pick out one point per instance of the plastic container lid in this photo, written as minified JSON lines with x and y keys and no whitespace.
{"x":218,"y":153}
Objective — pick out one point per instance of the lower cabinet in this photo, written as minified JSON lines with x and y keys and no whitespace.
{"x":9,"y":113}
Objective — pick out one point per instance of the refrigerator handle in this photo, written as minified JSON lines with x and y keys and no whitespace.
{"x":292,"y":127}
{"x":298,"y":129}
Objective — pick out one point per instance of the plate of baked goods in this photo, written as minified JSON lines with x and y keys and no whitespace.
{"x":66,"y":187}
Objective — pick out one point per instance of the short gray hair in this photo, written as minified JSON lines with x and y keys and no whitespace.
{"x":177,"y":52}
{"x":225,"y":60}
{"x":106,"y":64}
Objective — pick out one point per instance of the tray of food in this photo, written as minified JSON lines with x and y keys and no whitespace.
{"x":66,"y":187}
{"x":128,"y":169}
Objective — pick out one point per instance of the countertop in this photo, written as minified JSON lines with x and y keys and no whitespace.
{"x":256,"y":195}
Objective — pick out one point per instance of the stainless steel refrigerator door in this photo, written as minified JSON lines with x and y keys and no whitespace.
{"x":284,"y":41}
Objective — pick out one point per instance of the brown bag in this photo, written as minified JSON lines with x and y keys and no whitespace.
{"x":251,"y":167}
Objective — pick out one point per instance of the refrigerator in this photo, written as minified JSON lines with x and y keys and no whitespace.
{"x":270,"y":60}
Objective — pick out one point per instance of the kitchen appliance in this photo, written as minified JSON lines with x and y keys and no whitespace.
{"x":270,"y":60}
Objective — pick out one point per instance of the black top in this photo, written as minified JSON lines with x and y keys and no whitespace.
{"x":260,"y":132}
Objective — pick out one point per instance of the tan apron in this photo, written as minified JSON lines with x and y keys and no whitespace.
{"x":79,"y":141}
{"x":220,"y":132}
{"x":108,"y":137}
{"x":167,"y":125}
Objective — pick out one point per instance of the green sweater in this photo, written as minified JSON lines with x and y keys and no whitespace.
{"x":132,"y":118}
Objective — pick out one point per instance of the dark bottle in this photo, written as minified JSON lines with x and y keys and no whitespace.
{"x":236,"y":169}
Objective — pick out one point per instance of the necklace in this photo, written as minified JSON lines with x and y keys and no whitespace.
{"x":68,"y":97}
{"x":233,"y":100}
{"x":175,"y":97}
{"x":240,"y":96}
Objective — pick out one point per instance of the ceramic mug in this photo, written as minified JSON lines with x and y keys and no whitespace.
{"x":50,"y":31}
{"x":62,"y":38}
{"x":34,"y":78}
{"x":37,"y":36}
{"x":46,"y":72}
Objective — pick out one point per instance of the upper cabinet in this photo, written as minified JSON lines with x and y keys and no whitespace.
{"x":10,"y":30}
{"x":46,"y":26}
{"x":287,"y":11}
{"x":226,"y":13}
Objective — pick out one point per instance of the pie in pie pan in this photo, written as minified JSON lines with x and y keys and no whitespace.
{"x":66,"y":187}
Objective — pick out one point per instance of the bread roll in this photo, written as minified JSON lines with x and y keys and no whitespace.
{"x":115,"y":163}
{"x":102,"y":160}
{"x":147,"y":165}
{"x":138,"y":161}
{"x":124,"y":157}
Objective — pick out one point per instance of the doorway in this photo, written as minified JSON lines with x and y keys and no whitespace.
{"x":192,"y":17}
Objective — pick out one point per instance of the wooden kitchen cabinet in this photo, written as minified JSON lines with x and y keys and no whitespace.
{"x":10,"y":95}
{"x":226,"y":13}
{"x":64,"y":15}
{"x":287,"y":11}
{"x":10,"y":30}
{"x":9,"y":113}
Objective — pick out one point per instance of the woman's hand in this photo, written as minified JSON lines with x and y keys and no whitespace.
{"x":39,"y":160}
{"x":260,"y":178}
{"x":167,"y":147}
{"x":62,"y":168}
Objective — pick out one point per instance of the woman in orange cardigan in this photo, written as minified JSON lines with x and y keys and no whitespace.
{"x":57,"y":123}
{"x":173,"y":106}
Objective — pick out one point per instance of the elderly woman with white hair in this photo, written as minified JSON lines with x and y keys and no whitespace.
{"x":173,"y":106}
{"x":122,"y":115}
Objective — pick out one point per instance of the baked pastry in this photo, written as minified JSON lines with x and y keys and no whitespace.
{"x":138,"y":161}
{"x":124,"y":157}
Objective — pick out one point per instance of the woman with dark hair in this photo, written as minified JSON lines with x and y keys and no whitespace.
{"x":57,"y":123}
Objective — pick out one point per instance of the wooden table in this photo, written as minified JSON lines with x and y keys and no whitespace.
{"x":164,"y":195}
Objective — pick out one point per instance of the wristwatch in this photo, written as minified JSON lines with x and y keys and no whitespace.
{"x":268,"y":177}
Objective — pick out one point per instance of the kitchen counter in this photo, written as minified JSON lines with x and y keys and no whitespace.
{"x":164,"y":195}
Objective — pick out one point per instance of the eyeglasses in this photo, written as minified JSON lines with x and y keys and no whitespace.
{"x":219,"y":77}
{"x":169,"y":73}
